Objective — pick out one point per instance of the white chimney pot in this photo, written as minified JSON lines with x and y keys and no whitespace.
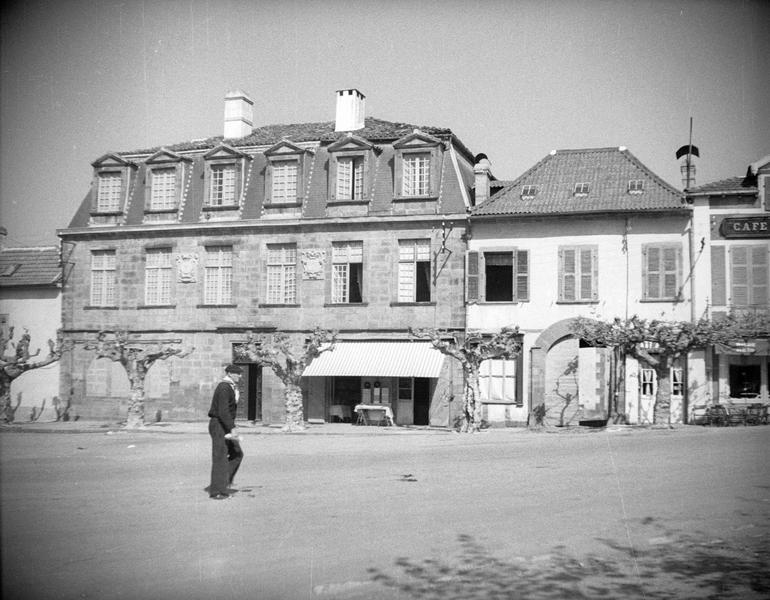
{"x":351,"y":110}
{"x":239,"y":116}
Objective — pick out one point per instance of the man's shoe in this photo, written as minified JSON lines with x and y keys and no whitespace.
{"x":219,"y":497}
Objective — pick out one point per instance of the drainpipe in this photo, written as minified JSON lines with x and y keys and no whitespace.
{"x":691,"y":241}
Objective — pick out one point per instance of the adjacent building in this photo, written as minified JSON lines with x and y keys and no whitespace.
{"x":587,"y":232}
{"x":30,"y":302}
{"x":356,"y":224}
{"x":731,"y":224}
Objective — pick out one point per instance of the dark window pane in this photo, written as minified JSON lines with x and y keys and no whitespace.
{"x":422,"y":288}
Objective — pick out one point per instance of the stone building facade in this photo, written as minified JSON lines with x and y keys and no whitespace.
{"x":355,"y":225}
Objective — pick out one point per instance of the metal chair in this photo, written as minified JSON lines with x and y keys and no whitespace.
{"x":717,"y":415}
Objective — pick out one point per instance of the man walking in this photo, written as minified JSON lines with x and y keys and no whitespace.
{"x":226,"y":453}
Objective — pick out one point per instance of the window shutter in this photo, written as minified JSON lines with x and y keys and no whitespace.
{"x":435,"y":170}
{"x":268,"y":182}
{"x":302,"y":167}
{"x":561,"y":275}
{"x":366,"y":193}
{"x":718,"y":282}
{"x":739,"y":276}
{"x":594,"y":273}
{"x":645,"y":283}
{"x":521,"y":275}
{"x":759,"y":295}
{"x":238,"y":181}
{"x":472,"y":277}
{"x":179,"y":183}
{"x":398,"y":173}
{"x":669,"y":272}
{"x":679,"y":280}
{"x":332,"y":177}
{"x":147,"y":188}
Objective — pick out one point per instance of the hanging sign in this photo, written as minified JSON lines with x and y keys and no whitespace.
{"x":746,"y":227}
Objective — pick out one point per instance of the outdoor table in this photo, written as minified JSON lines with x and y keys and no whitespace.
{"x":341,"y":411}
{"x":374,"y":414}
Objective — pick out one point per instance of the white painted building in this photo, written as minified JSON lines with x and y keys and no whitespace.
{"x":590,"y":233}
{"x":30,"y":300}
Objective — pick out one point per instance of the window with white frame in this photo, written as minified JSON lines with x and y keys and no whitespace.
{"x":284,"y":181}
{"x":528,"y":191}
{"x":222,"y":185}
{"x":347,"y":272}
{"x":578,"y":274}
{"x":635,"y":186}
{"x":497,"y":381}
{"x":350,"y":178}
{"x":158,"y":273}
{"x":163,"y":195}
{"x":416,"y":174}
{"x":582,"y":188}
{"x":281,"y":274}
{"x":677,"y":381}
{"x":661,"y":271}
{"x":218,"y":275}
{"x":103,"y":278}
{"x":110,"y":188}
{"x":414,"y":271}
{"x":647,"y":381}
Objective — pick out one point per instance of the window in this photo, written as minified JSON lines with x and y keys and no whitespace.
{"x":661,"y":271}
{"x":350,"y":178}
{"x":157,"y":276}
{"x":647,"y":381}
{"x":528,"y":191}
{"x":497,"y":276}
{"x":347,"y":272}
{"x":677,"y":381}
{"x":163,"y":195}
{"x":218,"y":275}
{"x":284,"y":188}
{"x":416,"y":175}
{"x":582,"y":189}
{"x":745,"y":381}
{"x":103,"y":278}
{"x":281,"y":274}
{"x":578,"y":274}
{"x":109,"y":192}
{"x":222,"y":185}
{"x":635,"y":186}
{"x":497,"y":382}
{"x":414,"y":271}
{"x":749,"y":275}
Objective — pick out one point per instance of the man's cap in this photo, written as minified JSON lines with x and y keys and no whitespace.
{"x":233,"y":369}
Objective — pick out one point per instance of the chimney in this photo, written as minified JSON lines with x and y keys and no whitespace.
{"x":239,"y":117}
{"x":482,"y":177}
{"x":351,"y":105}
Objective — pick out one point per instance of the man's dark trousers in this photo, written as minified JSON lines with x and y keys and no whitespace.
{"x":226,"y":457}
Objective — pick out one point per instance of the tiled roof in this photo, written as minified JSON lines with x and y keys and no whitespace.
{"x":607,"y":170}
{"x":374,"y":130}
{"x":29,"y":267}
{"x":724,"y":186}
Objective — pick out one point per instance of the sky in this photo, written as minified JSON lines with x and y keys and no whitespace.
{"x":514,"y":80}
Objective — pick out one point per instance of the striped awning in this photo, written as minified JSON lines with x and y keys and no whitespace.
{"x":378,"y":359}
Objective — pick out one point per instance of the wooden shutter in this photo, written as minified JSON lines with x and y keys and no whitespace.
{"x":758,"y":295}
{"x":670,"y":258}
{"x":739,"y":276}
{"x":398,"y":174}
{"x":718,"y":279}
{"x":649,"y":271}
{"x":594,"y":273}
{"x":332,"y":177}
{"x":367,"y":185}
{"x":566,"y":274}
{"x":147,"y":188}
{"x":436,"y":157}
{"x":268,"y":181}
{"x":472,"y":279}
{"x":521,"y":276}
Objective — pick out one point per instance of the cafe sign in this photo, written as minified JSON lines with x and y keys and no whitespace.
{"x":745,"y":227}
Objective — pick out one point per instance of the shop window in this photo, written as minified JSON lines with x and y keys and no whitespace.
{"x":744,"y":381}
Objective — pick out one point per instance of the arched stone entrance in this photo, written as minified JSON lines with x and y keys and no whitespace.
{"x":559,"y":332}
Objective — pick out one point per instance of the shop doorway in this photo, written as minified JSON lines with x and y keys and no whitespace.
{"x":250,"y":406}
{"x":421,"y":401}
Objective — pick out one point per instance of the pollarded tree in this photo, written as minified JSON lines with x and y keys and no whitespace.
{"x":137,"y":357}
{"x":19,"y":361}
{"x":288,"y":361}
{"x":474,"y":348}
{"x":658,"y":344}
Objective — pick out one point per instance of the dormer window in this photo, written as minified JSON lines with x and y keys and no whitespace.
{"x":635,"y":186}
{"x":349,"y":169}
{"x":582,"y":189}
{"x":286,"y":174}
{"x":222,"y":185}
{"x":528,"y":191}
{"x":110,"y":189}
{"x":110,"y":192}
{"x":417,"y":166}
{"x":166,"y":172}
{"x":224,"y":180}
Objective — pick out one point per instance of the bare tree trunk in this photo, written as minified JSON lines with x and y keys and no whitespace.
{"x":5,"y":399}
{"x":135,"y":417}
{"x":471,"y":404}
{"x":295,"y":420}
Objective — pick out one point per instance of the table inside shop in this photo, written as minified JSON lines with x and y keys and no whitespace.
{"x":341,"y":412}
{"x":374,"y":414}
